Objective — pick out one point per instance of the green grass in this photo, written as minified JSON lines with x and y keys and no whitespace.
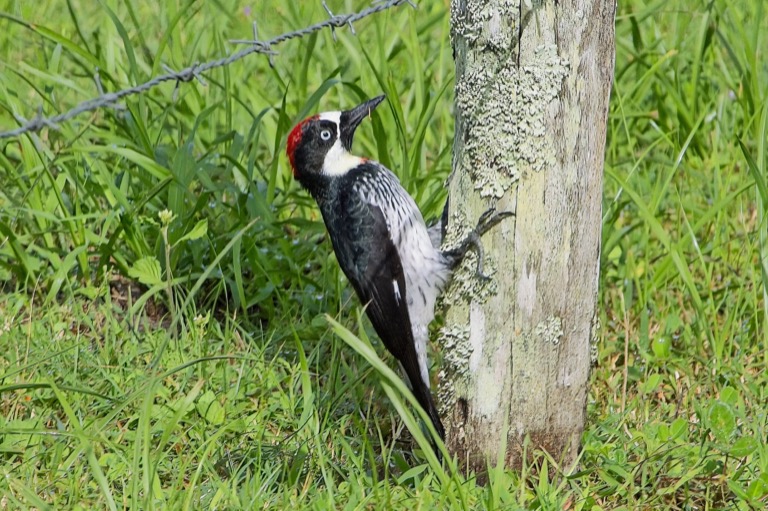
{"x":190,"y":363}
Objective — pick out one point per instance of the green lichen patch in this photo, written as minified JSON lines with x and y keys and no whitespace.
{"x":550,"y":330}
{"x":537,"y":88}
{"x":484,"y":95}
{"x":456,"y":349}
{"x":485,"y":25}
{"x":505,"y":111}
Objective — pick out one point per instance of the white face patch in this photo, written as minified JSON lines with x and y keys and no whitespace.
{"x":331,"y":116}
{"x":338,"y":161}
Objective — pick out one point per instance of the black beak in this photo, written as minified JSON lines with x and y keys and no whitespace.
{"x":351,"y":119}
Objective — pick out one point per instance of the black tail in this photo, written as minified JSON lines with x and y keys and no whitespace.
{"x":424,"y":397}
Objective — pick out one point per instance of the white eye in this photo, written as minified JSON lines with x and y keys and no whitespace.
{"x":325,"y":135}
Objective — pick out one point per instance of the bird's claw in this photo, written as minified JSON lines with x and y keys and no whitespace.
{"x":487,"y":220}
{"x":490,"y":218}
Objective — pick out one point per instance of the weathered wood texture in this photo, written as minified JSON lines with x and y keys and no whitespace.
{"x":533,"y":82}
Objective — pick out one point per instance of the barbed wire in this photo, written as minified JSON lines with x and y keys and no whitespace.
{"x":195,"y":70}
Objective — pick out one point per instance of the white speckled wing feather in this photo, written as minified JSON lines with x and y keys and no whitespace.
{"x":425,"y":269}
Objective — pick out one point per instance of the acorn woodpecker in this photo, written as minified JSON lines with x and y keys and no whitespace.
{"x":380,"y":238}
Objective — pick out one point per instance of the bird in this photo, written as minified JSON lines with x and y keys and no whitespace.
{"x":382,"y":244}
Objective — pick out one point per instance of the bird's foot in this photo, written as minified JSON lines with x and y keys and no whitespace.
{"x":486,"y":222}
{"x":490,"y":218}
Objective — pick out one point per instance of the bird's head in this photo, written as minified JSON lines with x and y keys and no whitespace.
{"x":320,"y":145}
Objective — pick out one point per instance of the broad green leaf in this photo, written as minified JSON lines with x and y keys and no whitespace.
{"x":744,"y":446}
{"x":722,"y":420}
{"x":661,"y":347}
{"x":147,"y":271}
{"x":198,"y":231}
{"x":210,"y":409}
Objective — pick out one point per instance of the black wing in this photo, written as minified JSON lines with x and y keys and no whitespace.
{"x":369,"y":259}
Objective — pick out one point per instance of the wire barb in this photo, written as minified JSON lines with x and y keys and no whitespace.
{"x":330,"y":17}
{"x":97,"y":80}
{"x":195,"y":71}
{"x":264,"y":46}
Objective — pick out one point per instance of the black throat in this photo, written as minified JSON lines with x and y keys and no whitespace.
{"x":322,"y":188}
